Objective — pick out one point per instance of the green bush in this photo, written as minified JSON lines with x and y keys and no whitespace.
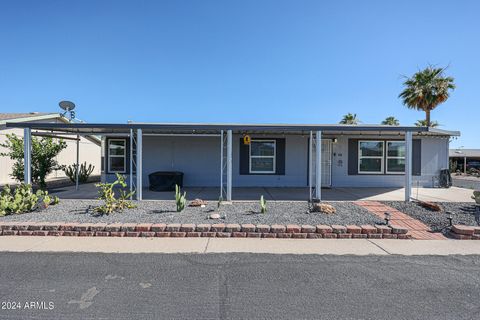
{"x":23,"y":200}
{"x":112,"y":204}
{"x":83,"y":173}
{"x":44,"y":153}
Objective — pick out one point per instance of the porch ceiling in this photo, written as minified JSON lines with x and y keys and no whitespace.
{"x":202,"y":128}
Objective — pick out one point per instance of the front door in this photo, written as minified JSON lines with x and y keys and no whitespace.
{"x":326,"y":162}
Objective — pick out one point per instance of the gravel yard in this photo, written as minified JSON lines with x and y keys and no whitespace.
{"x":238,"y":212}
{"x":464,"y":213}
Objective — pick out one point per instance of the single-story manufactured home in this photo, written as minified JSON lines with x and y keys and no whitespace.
{"x":227,"y":156}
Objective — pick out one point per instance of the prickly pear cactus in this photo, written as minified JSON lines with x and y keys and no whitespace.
{"x":22,"y":200}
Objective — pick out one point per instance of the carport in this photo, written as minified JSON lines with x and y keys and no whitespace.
{"x":224,"y":133}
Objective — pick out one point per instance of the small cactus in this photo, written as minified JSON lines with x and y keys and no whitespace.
{"x":180,"y":199}
{"x":263,"y":205}
{"x":83,"y":173}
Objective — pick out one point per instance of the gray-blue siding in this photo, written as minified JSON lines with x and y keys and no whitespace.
{"x":199,"y":159}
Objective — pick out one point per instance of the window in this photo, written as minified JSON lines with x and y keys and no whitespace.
{"x":262,"y":156}
{"x":370,"y":156}
{"x":116,"y":155}
{"x":395,"y":157}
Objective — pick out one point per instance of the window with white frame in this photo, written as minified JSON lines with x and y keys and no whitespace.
{"x":117,"y":159}
{"x":262,"y":156}
{"x":395,"y":157}
{"x":370,"y":156}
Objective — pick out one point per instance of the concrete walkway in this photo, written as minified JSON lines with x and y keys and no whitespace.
{"x":417,"y":229}
{"x":453,"y":194}
{"x":212,"y":245}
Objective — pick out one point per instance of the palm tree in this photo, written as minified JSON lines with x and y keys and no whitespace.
{"x":426,"y":89}
{"x":391,"y":121}
{"x":423,"y":123}
{"x":350,"y":119}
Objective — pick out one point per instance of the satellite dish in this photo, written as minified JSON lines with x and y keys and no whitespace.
{"x":67,"y":105}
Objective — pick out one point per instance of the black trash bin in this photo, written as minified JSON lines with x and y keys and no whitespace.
{"x":165,"y":180}
{"x":445,"y":178}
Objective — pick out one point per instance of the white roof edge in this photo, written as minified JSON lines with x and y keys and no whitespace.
{"x":52,"y":115}
{"x":446,"y":132}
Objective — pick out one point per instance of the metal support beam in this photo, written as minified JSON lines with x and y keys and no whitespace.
{"x":130,"y":180}
{"x":78,"y":163}
{"x":221,"y":164}
{"x":229,"y":165}
{"x":139,"y":164}
{"x":318,"y":166}
{"x":465,"y":165}
{"x":408,"y":166}
{"x":27,"y":156}
{"x":310,"y":166}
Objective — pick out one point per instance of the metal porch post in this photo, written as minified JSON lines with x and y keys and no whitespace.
{"x":229,"y":165}
{"x":310,"y":166}
{"x":78,"y":162}
{"x":221,"y":163}
{"x":27,"y":156}
{"x":131,"y":161}
{"x":408,"y":166}
{"x":465,"y":164}
{"x":318,"y":166}
{"x":139,"y":164}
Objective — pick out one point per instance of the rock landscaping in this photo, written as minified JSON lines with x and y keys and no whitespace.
{"x":464,"y":213}
{"x":285,"y":213}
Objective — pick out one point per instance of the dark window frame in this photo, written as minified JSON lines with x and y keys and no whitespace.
{"x":274,"y":156}
{"x":384,"y":173}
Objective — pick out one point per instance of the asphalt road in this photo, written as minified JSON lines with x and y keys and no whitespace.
{"x":238,"y":286}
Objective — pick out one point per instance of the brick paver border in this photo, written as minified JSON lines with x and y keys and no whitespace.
{"x":219,"y":230}
{"x":417,"y":229}
{"x":461,"y":232}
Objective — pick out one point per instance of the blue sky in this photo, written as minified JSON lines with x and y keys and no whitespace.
{"x":261,"y":61}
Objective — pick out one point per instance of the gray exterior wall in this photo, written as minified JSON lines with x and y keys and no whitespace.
{"x":434,"y":156}
{"x":296,"y":164}
{"x":199,"y":159}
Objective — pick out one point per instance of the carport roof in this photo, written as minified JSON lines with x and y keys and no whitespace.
{"x":124,"y":128}
{"x":469,"y":153}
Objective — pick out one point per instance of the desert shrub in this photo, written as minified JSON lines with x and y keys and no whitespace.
{"x":83,"y":173}
{"x":112,"y":203}
{"x":453,"y":165}
{"x":476,"y":196}
{"x":23,"y":200}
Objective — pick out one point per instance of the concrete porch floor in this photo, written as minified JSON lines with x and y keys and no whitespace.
{"x":453,"y":194}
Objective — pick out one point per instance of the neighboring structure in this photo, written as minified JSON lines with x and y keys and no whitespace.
{"x":89,"y":146}
{"x":254,"y":155}
{"x":465,"y":159}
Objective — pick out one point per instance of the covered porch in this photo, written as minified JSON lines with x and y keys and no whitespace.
{"x":227,"y":182}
